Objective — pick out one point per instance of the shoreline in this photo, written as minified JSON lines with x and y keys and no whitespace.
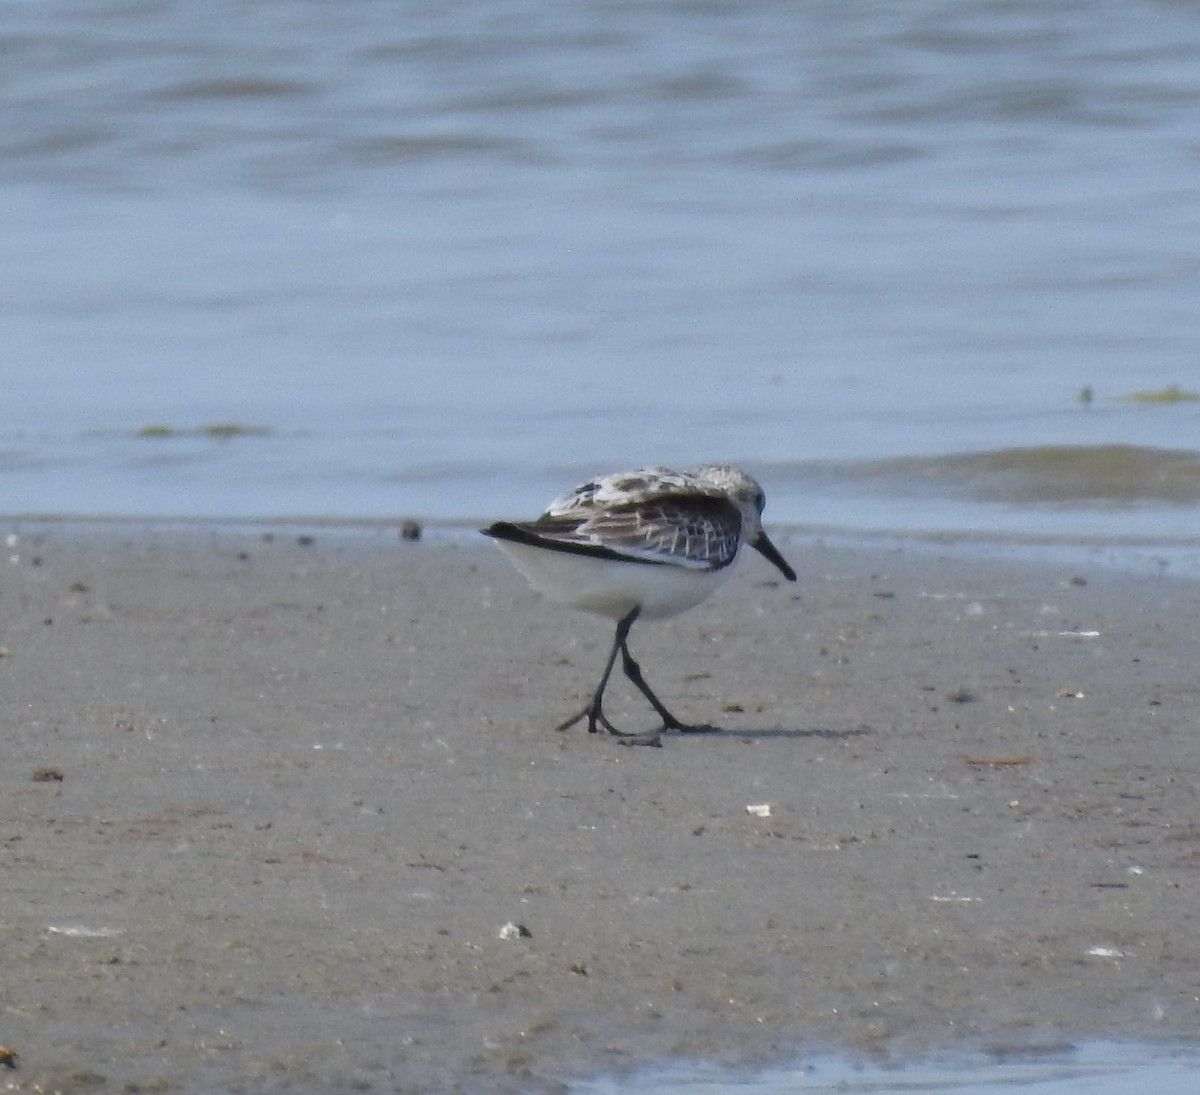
{"x":1178,"y":556}
{"x":304,"y":787}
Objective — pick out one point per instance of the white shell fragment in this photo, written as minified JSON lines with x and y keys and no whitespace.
{"x":79,"y":931}
{"x":512,"y":930}
{"x":759,"y":809}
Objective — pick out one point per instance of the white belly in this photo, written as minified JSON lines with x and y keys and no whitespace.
{"x":611,"y":587}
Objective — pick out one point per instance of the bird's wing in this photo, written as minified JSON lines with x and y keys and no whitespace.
{"x":697,"y":530}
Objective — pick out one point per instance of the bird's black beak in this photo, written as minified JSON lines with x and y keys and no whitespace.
{"x":762,"y":544}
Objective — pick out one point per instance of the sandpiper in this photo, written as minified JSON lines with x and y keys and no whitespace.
{"x":647,"y":543}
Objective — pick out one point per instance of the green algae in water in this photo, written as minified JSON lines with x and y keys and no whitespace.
{"x":1173,"y":393}
{"x":1116,"y":475}
{"x":226,"y":430}
{"x":1113,"y":474}
{"x":1122,"y":474}
{"x":220,"y":431}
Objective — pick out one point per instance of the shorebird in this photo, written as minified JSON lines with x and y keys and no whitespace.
{"x":648,"y":543}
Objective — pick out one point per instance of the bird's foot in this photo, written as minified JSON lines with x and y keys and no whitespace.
{"x":588,"y":712}
{"x":670,"y":722}
{"x":596,"y":718}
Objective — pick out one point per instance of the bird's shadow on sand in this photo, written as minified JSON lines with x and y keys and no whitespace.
{"x":823,"y":733}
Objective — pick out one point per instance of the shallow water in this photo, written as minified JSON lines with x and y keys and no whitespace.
{"x":446,"y":261}
{"x":1091,"y":1068}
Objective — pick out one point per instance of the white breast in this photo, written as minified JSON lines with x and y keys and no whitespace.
{"x":611,"y":587}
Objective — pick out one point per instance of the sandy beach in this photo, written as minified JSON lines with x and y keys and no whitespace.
{"x":281,"y":814}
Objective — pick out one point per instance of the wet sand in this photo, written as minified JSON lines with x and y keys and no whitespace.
{"x":266,"y":807}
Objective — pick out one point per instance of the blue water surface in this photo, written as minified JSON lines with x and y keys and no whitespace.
{"x":446,"y":260}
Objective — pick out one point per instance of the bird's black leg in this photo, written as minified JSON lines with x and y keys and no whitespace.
{"x":594,"y":711}
{"x":634,"y":672}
